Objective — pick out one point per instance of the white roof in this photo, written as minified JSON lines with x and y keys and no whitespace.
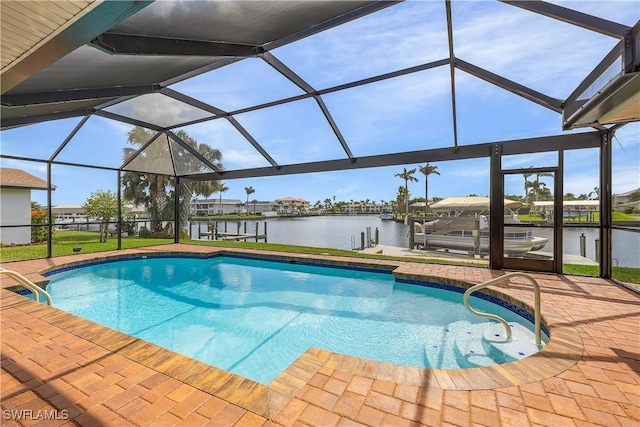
{"x":469,"y":203}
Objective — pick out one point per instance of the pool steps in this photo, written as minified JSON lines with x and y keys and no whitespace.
{"x":467,"y":345}
{"x":537,"y":314}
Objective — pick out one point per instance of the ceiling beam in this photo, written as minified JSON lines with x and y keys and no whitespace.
{"x":338,"y":20}
{"x":192,"y":151}
{"x":12,"y":122}
{"x":125,"y":119}
{"x":520,"y":146}
{"x":551,"y":103}
{"x":128,"y":44}
{"x":307,"y":88}
{"x":452,"y":72}
{"x":573,"y":17}
{"x":52,"y":97}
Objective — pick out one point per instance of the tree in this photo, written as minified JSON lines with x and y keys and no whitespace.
{"x":254,"y":202}
{"x":407,"y":175}
{"x":102,"y":205}
{"x":539,"y":185}
{"x":403,"y":197}
{"x":526,"y":176}
{"x":427,"y":170}
{"x":222,"y":189}
{"x":248,"y":190}
{"x":327,"y":204}
{"x":635,"y":196}
{"x":153,"y":190}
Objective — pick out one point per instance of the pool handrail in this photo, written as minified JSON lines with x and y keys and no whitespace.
{"x":35,"y":289}
{"x":536,"y":288}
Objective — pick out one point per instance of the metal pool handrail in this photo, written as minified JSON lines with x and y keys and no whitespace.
{"x":536,"y":289}
{"x":35,"y":289}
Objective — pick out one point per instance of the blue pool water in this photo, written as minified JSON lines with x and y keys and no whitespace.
{"x":255,"y":317}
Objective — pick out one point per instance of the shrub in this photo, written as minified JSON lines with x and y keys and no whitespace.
{"x":38,"y":229}
{"x":144,"y":232}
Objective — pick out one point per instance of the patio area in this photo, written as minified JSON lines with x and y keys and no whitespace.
{"x":56,"y":365}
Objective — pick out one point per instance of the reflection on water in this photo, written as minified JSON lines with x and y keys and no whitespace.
{"x":337,"y":231}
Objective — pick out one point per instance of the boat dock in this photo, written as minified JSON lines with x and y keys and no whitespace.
{"x":215,"y":232}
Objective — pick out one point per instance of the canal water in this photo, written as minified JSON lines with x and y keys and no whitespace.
{"x":339,"y":232}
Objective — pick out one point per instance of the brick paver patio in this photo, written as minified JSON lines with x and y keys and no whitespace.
{"x":56,"y":365}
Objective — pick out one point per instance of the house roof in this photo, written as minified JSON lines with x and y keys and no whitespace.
{"x":291,"y":199}
{"x":17,"y":178}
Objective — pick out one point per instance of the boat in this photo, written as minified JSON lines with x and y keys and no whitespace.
{"x":386,"y":214}
{"x":462,"y":226}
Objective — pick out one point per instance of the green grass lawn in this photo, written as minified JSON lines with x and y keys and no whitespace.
{"x":618,"y":217}
{"x":65,"y":240}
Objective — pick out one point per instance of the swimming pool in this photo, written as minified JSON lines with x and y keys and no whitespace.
{"x":254,"y":317}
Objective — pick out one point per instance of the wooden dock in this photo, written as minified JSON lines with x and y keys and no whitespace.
{"x":214,"y":233}
{"x":234,"y":236}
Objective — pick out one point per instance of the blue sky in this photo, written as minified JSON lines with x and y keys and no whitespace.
{"x":412,"y":112}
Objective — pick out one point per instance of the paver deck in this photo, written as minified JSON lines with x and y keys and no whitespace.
{"x":56,"y":365}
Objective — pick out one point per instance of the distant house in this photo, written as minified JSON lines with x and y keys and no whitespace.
{"x":291,"y":205}
{"x":625,"y":200}
{"x":237,"y":206}
{"x":15,"y":204}
{"x":75,"y":213}
{"x":215,"y":206}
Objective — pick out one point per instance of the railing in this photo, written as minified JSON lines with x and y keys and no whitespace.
{"x":536,"y":288}
{"x":35,"y":289}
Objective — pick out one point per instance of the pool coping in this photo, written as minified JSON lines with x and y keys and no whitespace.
{"x":564,"y":349}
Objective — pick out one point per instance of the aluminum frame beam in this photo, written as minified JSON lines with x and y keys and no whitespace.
{"x":128,"y":44}
{"x":358,"y":13}
{"x":25,"y":99}
{"x":549,"y":102}
{"x":8,"y":123}
{"x":192,"y":151}
{"x":573,"y":17}
{"x":520,"y":146}
{"x":307,"y":88}
{"x":137,"y":153}
{"x":125,"y":119}
{"x":452,"y":72}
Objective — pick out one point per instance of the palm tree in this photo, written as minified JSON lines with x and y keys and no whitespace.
{"x":327,"y":204}
{"x":152,"y":190}
{"x":539,"y":184}
{"x":427,"y":170}
{"x":254,"y":202}
{"x":407,"y":175}
{"x":402,"y":197}
{"x":222,"y":189}
{"x":248,"y":190}
{"x":526,"y":176}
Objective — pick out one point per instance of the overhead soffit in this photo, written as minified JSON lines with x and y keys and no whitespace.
{"x":26,"y":25}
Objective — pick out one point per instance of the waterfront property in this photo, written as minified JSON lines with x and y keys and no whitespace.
{"x":165,"y":101}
